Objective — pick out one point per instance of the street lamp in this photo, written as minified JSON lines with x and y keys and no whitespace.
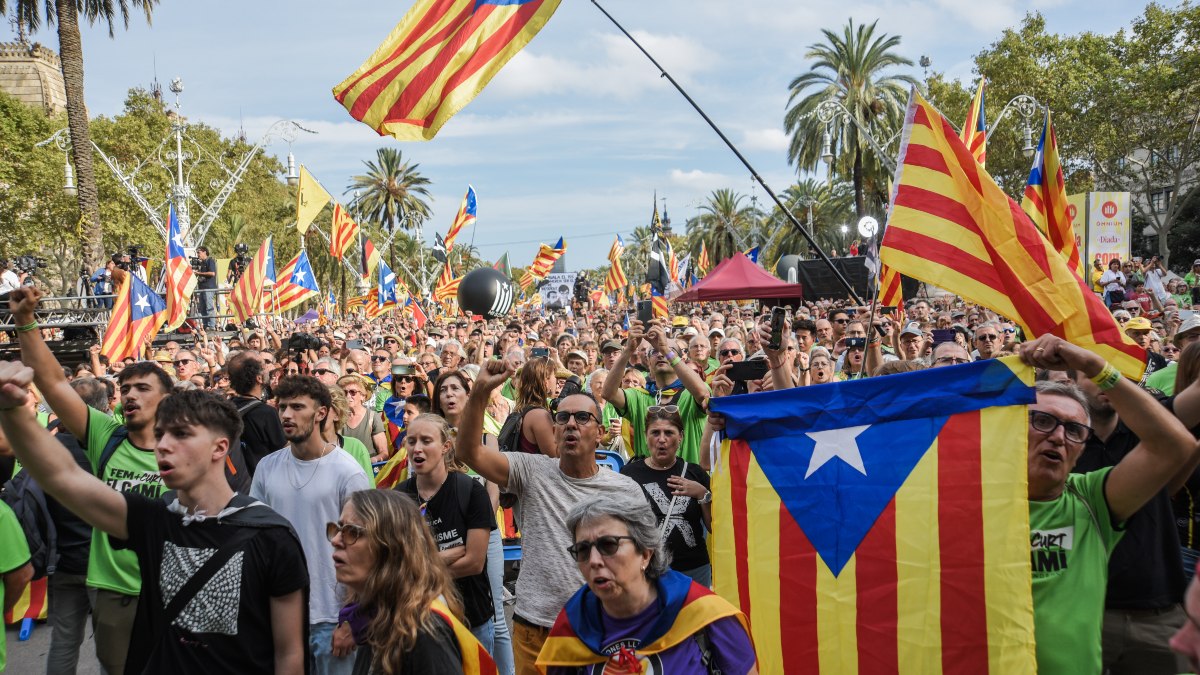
{"x":827,"y":145}
{"x":69,"y":183}
{"x":292,"y":176}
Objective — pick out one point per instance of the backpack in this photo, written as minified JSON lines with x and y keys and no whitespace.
{"x":24,"y":496}
{"x":509,"y":438}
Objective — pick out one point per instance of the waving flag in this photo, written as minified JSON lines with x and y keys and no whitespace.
{"x":370,"y":257}
{"x":615,"y":278}
{"x":891,"y":293}
{"x":418,"y":314}
{"x":297,"y":283}
{"x":881,"y":525}
{"x":703,"y":263}
{"x":464,"y":217}
{"x":503,"y":265}
{"x":544,"y":261}
{"x":181,"y":281}
{"x":385,"y":292}
{"x":1046,"y":198}
{"x":246,"y":298}
{"x":659,"y":304}
{"x":951,"y":225}
{"x":344,"y":232}
{"x":310,"y":199}
{"x":447,"y":285}
{"x":974,"y":131}
{"x":752,"y":254}
{"x":438,"y":58}
{"x":136,"y":316}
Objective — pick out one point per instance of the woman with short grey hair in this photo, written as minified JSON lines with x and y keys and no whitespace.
{"x":631,"y":601}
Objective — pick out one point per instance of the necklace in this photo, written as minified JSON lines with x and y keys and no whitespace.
{"x":293,"y":476}
{"x":650,"y":461}
{"x":433,"y":494}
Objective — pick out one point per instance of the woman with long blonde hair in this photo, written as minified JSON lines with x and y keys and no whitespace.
{"x":403,"y":605}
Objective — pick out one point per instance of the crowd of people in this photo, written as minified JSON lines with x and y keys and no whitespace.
{"x":217,"y":506}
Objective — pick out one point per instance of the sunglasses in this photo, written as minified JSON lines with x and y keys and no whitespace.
{"x":729,"y":352}
{"x":184,"y":362}
{"x":988,"y":337}
{"x":350,"y":533}
{"x":404,"y":378}
{"x":841,"y":320}
{"x":661,"y":409}
{"x":320,"y":371}
{"x":1047,"y":423}
{"x":608,"y":545}
{"x":380,"y":359}
{"x":581,"y":417}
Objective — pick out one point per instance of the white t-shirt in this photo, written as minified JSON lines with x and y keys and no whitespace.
{"x":9,"y":281}
{"x":549,"y":575}
{"x":310,"y":494}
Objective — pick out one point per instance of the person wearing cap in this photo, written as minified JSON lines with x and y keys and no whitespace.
{"x":1164,"y":380}
{"x":912,"y":342}
{"x":1138,"y":328}
{"x":576,"y":362}
{"x":609,"y":351}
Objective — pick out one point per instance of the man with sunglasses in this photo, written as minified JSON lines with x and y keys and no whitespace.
{"x":1076,"y":520}
{"x":988,"y":339}
{"x":547,"y":488}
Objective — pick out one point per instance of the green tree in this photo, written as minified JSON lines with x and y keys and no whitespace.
{"x":66,"y":14}
{"x":726,"y":225}
{"x":392,"y":191}
{"x":851,"y":68}
{"x":821,"y":207}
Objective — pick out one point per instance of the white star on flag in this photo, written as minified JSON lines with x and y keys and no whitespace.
{"x":299,"y":276}
{"x":177,"y":240}
{"x":143,"y":302}
{"x":838,"y":443}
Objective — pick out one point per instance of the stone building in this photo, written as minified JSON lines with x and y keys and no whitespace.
{"x":32,"y":74}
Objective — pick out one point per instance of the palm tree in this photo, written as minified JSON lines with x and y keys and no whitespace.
{"x":70,"y":53}
{"x":848,"y":68}
{"x":829,"y":205}
{"x":725,"y":225}
{"x":637,"y":254}
{"x":392,"y":192}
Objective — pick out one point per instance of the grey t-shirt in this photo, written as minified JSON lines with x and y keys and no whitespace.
{"x":549,"y":575}
{"x":310,"y":494}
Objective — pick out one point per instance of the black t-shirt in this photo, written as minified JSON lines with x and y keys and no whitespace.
{"x":74,"y":535}
{"x":226,"y":627}
{"x":262,"y":432}
{"x":1144,"y":571}
{"x":685,"y":534}
{"x":436,"y":652}
{"x":208,"y":265}
{"x":450,"y":521}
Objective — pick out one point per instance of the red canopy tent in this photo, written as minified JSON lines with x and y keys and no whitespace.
{"x":736,"y":278}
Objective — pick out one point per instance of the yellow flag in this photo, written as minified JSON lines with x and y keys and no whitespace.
{"x":310,"y":199}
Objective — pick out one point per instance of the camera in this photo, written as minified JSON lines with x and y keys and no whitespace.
{"x":300,"y":342}
{"x":239,"y":263}
{"x":130,"y":258}
{"x":28,"y":264}
{"x":196,"y":263}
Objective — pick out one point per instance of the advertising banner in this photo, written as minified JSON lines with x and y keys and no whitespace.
{"x":1109,"y":227}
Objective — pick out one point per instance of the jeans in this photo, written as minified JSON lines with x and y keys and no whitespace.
{"x":67,"y":612}
{"x":206,"y":306}
{"x":485,"y":632}
{"x":112,"y":620}
{"x":501,"y":650}
{"x":701,"y":575}
{"x":1190,"y":557}
{"x":320,"y":644}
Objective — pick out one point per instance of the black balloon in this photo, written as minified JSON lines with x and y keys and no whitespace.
{"x":487,"y":292}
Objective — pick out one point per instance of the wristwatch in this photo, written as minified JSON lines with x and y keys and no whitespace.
{"x":707,"y":498}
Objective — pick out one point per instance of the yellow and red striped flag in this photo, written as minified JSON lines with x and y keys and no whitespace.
{"x":438,"y":58}
{"x":703,"y":263}
{"x":928,"y":570}
{"x":247,"y":296}
{"x":1046,"y":198}
{"x":137,"y":314}
{"x":464,"y":217}
{"x":659,"y":304}
{"x":974,"y":131}
{"x":31,"y":605}
{"x":544,"y":261}
{"x":615,"y":279}
{"x":297,"y":283}
{"x":951,"y":225}
{"x":370,"y":257}
{"x":180,"y":280}
{"x":446,"y":288}
{"x":343,"y":231}
{"x":891,"y":293}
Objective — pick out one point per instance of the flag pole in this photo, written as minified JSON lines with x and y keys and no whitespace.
{"x":753,"y":173}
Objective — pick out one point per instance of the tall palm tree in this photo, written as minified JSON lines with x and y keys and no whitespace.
{"x":821,"y":207}
{"x":849,"y":68}
{"x":70,"y":53}
{"x":725,"y":224}
{"x":392,"y":191}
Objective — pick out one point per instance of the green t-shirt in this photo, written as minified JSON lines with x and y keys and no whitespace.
{"x":693,"y":416}
{"x":1071,"y":539}
{"x":130,"y":470}
{"x":359,"y":452}
{"x":1163,"y":380}
{"x":14,"y":553}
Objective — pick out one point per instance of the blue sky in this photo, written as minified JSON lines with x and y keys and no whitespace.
{"x":577,"y":133}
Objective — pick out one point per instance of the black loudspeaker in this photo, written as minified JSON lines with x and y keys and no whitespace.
{"x":819,"y":282}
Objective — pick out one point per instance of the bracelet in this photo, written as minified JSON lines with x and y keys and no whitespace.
{"x":32,"y":325}
{"x":1107,"y":378}
{"x":676,"y":361}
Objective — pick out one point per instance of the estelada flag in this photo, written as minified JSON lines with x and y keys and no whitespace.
{"x":438,"y":58}
{"x":659,"y":304}
{"x":395,"y":470}
{"x":138,"y":312}
{"x":180,"y":279}
{"x":881,"y":525}
{"x":951,"y":225}
{"x":974,"y":131}
{"x":297,"y":283}
{"x":1046,"y":198}
{"x":464,"y":217}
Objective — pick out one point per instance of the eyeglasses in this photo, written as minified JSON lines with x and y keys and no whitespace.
{"x":987,"y":337}
{"x":404,"y":378}
{"x":1047,"y":423}
{"x":350,"y":533}
{"x":184,"y":362}
{"x":729,"y":352}
{"x":952,"y":360}
{"x":581,"y":417}
{"x":661,"y":409}
{"x":321,"y":371}
{"x":353,"y":392}
{"x":840,"y":320}
{"x":608,"y":545}
{"x":380,"y":359}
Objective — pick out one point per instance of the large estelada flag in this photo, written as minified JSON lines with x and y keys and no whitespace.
{"x":881,"y":525}
{"x":542,"y":263}
{"x":446,"y":288}
{"x":1046,"y":198}
{"x":438,"y":58}
{"x":974,"y":131}
{"x":951,"y":225}
{"x":465,"y":216}
{"x":180,"y":280}
{"x":246,"y":298}
{"x":137,"y":314}
{"x":297,"y":283}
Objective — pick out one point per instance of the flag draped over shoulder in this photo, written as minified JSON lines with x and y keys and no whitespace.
{"x":881,"y":525}
{"x":464,"y":217}
{"x":344,"y":231}
{"x":297,"y":283}
{"x":181,"y":281}
{"x":1046,"y":198}
{"x":310,"y":199}
{"x":974,"y":131}
{"x":951,"y":225}
{"x":438,"y":58}
{"x":137,"y":314}
{"x":246,"y":298}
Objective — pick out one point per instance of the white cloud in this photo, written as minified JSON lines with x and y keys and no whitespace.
{"x":702,"y":181}
{"x":765,"y":139}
